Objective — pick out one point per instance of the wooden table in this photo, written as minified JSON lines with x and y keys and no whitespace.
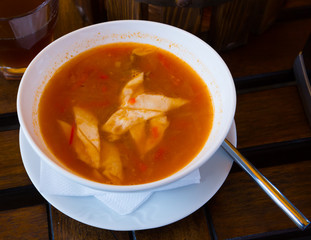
{"x":273,"y":133}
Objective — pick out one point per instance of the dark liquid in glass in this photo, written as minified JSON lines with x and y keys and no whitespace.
{"x":17,"y":50}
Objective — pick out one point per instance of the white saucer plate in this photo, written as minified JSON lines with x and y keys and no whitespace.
{"x":162,"y":208}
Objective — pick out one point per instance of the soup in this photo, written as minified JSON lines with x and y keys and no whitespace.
{"x":125,"y":114}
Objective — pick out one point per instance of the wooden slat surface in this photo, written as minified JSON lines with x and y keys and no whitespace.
{"x":241,"y":208}
{"x":269,"y":116}
{"x":65,"y":227}
{"x":193,"y":227}
{"x":273,"y":50}
{"x":24,"y":223}
{"x":12,"y":172}
{"x":8,"y":92}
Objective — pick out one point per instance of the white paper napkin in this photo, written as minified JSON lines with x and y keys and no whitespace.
{"x":53,"y":183}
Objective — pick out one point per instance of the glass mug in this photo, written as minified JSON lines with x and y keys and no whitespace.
{"x":26,"y":27}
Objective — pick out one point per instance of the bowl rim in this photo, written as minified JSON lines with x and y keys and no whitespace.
{"x":120,"y":188}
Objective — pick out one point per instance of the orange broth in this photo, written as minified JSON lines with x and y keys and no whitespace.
{"x":93,"y":81}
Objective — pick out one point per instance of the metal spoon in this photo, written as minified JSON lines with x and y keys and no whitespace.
{"x":292,"y":212}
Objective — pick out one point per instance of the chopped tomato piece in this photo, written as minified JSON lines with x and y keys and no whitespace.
{"x":80,"y":82}
{"x":72,"y":134}
{"x":159,"y":154}
{"x":155,"y":132}
{"x":132,"y":100}
{"x":104,"y":89}
{"x":104,"y":76}
{"x":142,"y":166}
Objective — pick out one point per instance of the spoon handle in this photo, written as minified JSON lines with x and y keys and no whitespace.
{"x":293,"y":213}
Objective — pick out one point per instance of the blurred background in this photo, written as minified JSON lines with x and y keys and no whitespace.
{"x":264,"y":35}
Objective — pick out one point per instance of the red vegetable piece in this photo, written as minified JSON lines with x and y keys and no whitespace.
{"x":71,"y":134}
{"x":159,"y":154}
{"x":142,"y":166}
{"x":104,"y":76}
{"x":155,"y":132}
{"x":132,"y":100}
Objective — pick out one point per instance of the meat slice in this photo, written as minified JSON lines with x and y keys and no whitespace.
{"x":154,"y":102}
{"x":132,"y":88}
{"x":138,"y":133}
{"x":66,"y":128}
{"x":87,"y":125}
{"x":123,"y":119}
{"x":142,"y":114}
{"x":106,"y":162}
{"x":111,"y":166}
{"x":147,"y":137}
{"x":157,"y":127}
{"x":85,"y":150}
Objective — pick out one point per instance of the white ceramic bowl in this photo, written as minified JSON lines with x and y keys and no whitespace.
{"x":199,"y":55}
